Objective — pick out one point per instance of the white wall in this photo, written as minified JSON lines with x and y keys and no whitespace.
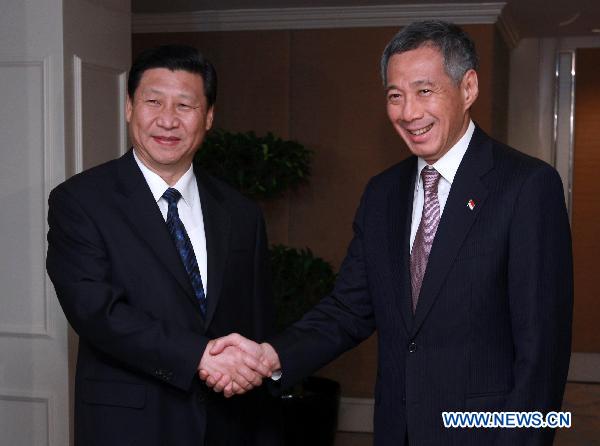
{"x":33,"y":331}
{"x":531,"y":97}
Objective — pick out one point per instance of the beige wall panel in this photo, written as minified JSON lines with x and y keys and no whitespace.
{"x":500,"y":87}
{"x":338,"y":109}
{"x":483,"y":35}
{"x":253,"y":71}
{"x":586,"y":205}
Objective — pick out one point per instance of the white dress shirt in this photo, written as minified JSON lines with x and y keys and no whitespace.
{"x":447,"y":166}
{"x":189,"y":208}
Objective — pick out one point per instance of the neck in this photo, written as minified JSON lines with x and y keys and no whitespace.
{"x":170,"y":178}
{"x":169,"y":173}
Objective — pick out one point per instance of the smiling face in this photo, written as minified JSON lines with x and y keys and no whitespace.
{"x":168,"y":117}
{"x":426,"y":107}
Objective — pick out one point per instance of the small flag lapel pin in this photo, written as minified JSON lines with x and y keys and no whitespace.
{"x":471,"y":204}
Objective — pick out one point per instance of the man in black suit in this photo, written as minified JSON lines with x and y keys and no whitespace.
{"x":152,"y":258}
{"x":461,"y":260}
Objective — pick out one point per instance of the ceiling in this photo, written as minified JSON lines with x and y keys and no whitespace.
{"x":532,"y":18}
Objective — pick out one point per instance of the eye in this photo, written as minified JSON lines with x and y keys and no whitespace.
{"x":153,"y":102}
{"x":394,"y":97}
{"x":425,"y":92}
{"x":185,"y":107}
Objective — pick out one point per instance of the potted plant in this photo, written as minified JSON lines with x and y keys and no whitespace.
{"x":264,"y":168}
{"x":260,"y":167}
{"x":300,"y":280}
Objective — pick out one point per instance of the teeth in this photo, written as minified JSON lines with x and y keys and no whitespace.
{"x":421,"y":131}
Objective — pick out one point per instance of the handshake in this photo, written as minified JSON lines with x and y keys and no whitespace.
{"x":234,"y":364}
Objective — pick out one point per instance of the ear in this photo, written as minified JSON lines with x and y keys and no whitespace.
{"x":128,"y":109}
{"x":469,"y":88}
{"x":210,"y":115}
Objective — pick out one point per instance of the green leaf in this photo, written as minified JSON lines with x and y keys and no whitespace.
{"x":300,"y":279}
{"x":268,"y":163}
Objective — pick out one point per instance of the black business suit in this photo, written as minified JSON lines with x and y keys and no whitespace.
{"x":126,"y":293}
{"x":492,"y":328}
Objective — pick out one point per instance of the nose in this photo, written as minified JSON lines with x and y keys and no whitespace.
{"x":167,"y":118}
{"x":411,"y":110}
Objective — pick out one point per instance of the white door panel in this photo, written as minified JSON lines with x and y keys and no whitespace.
{"x":38,"y":41}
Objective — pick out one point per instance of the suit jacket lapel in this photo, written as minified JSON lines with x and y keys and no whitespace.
{"x":139,"y":207}
{"x":456,"y":220}
{"x":217,"y":228}
{"x":400,"y":202}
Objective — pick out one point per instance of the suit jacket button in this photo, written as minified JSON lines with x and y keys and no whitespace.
{"x":412,"y":347}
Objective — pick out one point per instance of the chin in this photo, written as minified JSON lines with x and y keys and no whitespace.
{"x":420,"y":152}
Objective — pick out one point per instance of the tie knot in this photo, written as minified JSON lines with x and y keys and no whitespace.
{"x":172,"y":196}
{"x":430,"y":178}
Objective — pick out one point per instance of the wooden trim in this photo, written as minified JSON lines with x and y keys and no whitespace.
{"x":316,"y":17}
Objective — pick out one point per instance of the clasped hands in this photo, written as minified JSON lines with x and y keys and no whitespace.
{"x":234,"y":364}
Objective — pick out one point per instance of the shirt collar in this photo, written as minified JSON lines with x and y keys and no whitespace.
{"x":158,"y":186}
{"x":448,"y":164}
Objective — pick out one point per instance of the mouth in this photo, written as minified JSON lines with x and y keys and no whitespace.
{"x":166,"y":139}
{"x":421,"y":131}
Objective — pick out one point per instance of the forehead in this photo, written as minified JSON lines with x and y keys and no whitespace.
{"x":163,"y":80}
{"x":425,"y":63}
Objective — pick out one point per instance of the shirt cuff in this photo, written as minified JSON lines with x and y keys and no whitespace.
{"x":277,"y":374}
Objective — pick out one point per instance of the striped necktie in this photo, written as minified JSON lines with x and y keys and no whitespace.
{"x":184,"y":245}
{"x":425,"y":233}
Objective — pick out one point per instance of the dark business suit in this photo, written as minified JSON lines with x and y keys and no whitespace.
{"x":492,"y":328}
{"x":124,"y":290}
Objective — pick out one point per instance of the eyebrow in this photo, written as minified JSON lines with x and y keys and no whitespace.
{"x":188,"y":97}
{"x":151,"y":90}
{"x":417,"y":83}
{"x":160,"y":92}
{"x":421,"y":82}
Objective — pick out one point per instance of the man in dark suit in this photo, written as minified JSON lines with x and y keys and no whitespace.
{"x":461,"y":260}
{"x":152,"y":258}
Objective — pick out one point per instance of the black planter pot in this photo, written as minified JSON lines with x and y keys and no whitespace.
{"x":310,"y":412}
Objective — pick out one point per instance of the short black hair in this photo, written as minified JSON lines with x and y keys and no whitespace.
{"x":455,"y":45}
{"x":174,"y":57}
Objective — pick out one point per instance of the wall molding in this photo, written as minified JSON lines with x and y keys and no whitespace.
{"x":78,"y":68}
{"x":123,"y":147}
{"x":46,"y":400}
{"x":584,"y":367}
{"x":50,"y":119}
{"x":78,"y":113}
{"x":316,"y":17}
{"x":356,"y":414}
{"x":38,"y":330}
{"x":508,"y":29}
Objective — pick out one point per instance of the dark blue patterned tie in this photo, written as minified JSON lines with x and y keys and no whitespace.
{"x":184,"y":245}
